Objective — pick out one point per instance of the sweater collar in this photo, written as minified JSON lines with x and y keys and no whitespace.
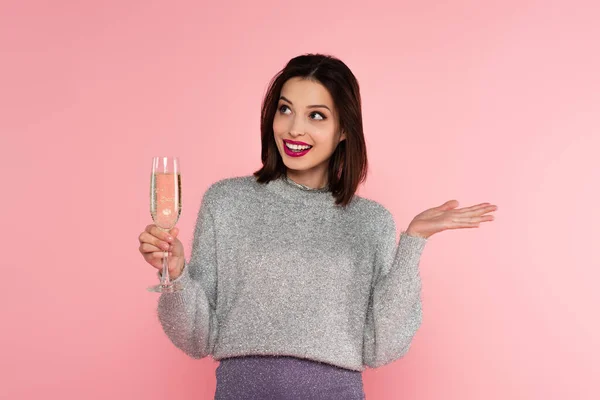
{"x":295,"y":192}
{"x":304,"y":187}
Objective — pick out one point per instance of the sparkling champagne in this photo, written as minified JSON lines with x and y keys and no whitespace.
{"x":165,"y":199}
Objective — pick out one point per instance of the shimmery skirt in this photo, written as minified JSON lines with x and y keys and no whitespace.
{"x":285,"y":378}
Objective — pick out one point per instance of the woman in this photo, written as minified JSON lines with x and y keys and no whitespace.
{"x":295,"y":283}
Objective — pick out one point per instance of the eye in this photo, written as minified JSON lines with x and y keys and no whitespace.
{"x":315,"y":115}
{"x":322,"y":117}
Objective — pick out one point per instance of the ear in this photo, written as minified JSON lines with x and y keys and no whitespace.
{"x":342,"y":136}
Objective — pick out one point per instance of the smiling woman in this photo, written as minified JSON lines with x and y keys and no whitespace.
{"x":295,"y":283}
{"x":310,"y":117}
{"x":314,"y":101}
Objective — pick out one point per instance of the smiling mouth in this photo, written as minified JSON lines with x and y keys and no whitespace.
{"x":297,"y":148}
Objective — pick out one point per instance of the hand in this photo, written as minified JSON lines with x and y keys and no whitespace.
{"x":444,"y":217}
{"x":154,"y":242}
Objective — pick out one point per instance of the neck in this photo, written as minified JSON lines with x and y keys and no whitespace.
{"x":313,"y":181}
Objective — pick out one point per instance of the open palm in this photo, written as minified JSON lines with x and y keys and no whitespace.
{"x":447,"y":216}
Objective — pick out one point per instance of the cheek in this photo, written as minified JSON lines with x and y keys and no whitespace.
{"x":323,"y":137}
{"x":279,"y":125}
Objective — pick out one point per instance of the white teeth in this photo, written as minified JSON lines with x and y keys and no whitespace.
{"x":296,"y":147}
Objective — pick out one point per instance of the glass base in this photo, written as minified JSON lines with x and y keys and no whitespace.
{"x":172,"y":288}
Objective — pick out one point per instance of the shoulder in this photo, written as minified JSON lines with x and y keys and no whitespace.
{"x":228,"y":189}
{"x":232,"y":184}
{"x":372,"y":208}
{"x":373,"y":213}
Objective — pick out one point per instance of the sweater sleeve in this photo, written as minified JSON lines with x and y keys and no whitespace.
{"x":188,"y":317}
{"x":394,"y":311}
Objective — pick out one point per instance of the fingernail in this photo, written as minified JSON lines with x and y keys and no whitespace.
{"x":169,"y":238}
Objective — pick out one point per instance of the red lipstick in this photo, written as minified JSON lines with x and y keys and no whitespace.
{"x":293,"y":153}
{"x":295,"y":142}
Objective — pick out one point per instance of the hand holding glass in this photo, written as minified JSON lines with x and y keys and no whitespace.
{"x":165,"y":208}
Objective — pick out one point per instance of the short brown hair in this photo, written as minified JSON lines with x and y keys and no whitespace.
{"x":348,"y":163}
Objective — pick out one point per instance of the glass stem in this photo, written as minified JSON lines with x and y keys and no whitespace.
{"x":166,"y":281}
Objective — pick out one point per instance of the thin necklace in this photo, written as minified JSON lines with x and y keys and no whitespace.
{"x":304,"y":187}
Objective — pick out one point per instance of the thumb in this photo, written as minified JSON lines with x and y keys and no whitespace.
{"x":174,"y":232}
{"x":449,"y":205}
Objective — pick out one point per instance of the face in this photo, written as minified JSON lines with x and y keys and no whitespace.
{"x":306,"y":116}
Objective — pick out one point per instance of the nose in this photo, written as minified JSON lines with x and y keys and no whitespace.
{"x":297,"y":127}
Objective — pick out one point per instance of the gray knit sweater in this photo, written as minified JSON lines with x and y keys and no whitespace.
{"x":279,"y":270}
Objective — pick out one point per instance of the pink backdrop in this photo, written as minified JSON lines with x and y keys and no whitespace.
{"x":493,"y":101}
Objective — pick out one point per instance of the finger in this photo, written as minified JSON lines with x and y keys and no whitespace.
{"x":143,"y":236}
{"x":153,"y":240}
{"x":463,"y":224}
{"x":174,"y":232}
{"x":158,"y":232}
{"x":477,"y":210}
{"x":450,"y":204}
{"x":472,"y":220}
{"x":149,"y":248}
{"x":161,"y":234}
{"x":159,"y":254}
{"x":471,"y":214}
{"x":473,"y":208}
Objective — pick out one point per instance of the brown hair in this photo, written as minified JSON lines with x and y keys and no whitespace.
{"x":348,"y":163}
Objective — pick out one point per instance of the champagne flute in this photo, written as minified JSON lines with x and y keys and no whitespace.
{"x":165,"y":208}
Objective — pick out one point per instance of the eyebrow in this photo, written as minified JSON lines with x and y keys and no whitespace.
{"x":312,"y":106}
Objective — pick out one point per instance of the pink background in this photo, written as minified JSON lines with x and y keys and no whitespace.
{"x":493,"y":101}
